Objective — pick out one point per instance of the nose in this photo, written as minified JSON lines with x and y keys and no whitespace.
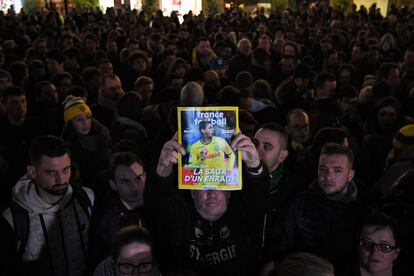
{"x":58,"y":178}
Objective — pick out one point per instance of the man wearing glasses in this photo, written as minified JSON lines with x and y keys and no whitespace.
{"x":323,"y":220}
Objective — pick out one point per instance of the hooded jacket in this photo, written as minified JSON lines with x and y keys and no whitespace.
{"x":58,"y":234}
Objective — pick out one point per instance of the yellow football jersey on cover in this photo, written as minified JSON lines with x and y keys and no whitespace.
{"x":214,"y":152}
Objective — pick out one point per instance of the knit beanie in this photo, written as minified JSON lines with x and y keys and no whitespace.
{"x":402,"y":139}
{"x":73,"y":106}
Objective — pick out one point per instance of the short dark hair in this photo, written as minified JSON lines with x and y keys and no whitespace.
{"x":278,"y":129}
{"x":302,"y":263}
{"x":380,"y":221}
{"x":12,"y":90}
{"x":334,"y":148}
{"x":385,"y":69}
{"x":128,"y":235}
{"x":125,"y":158}
{"x":323,"y":77}
{"x":203,"y":125}
{"x":47,"y":145}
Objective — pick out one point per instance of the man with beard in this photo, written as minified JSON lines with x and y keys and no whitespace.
{"x":110,"y":91}
{"x":324,"y":219}
{"x":203,"y":55}
{"x":45,"y":229}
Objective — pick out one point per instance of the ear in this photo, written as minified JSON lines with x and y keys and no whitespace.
{"x":112,"y":184}
{"x":397,"y":253}
{"x":351,"y":175}
{"x":283,"y":155}
{"x":31,"y":171}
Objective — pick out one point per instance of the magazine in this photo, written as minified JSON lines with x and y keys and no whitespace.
{"x":210,"y":162}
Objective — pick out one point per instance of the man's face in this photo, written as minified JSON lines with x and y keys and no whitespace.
{"x":289,"y":51}
{"x":328,"y":90}
{"x":372,"y":259}
{"x":53,"y":66}
{"x":211,"y":204}
{"x":203,"y":48}
{"x":245,"y":47}
{"x":334,"y":173}
{"x":139,"y":65}
{"x":4,"y":83}
{"x":268,"y":145}
{"x":105,"y":68}
{"x":409,"y":57}
{"x":135,"y":254}
{"x":52,"y":175}
{"x":356,"y":54}
{"x":16,"y":107}
{"x":129,"y":183}
{"x":264,"y":43}
{"x":208,"y":131}
{"x":333,"y":60}
{"x":393,"y":78}
{"x":48,"y":94}
{"x":41,"y":48}
{"x":298,"y":127}
{"x":113,"y":89}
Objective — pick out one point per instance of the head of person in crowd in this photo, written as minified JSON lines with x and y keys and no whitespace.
{"x":244,"y":47}
{"x":62,"y":82}
{"x":15,"y":105}
{"x":211,"y":82}
{"x":264,"y":42}
{"x":144,"y":86}
{"x":20,"y":73}
{"x":373,"y":55}
{"x":66,"y":41}
{"x":211,"y":204}
{"x":262,"y":89}
{"x":387,"y":43}
{"x":262,"y":59}
{"x":111,"y":88}
{"x":248,"y":124}
{"x":326,"y":44}
{"x":203,"y":48}
{"x":409,"y":57}
{"x":155,"y":43}
{"x":37,"y":70}
{"x":287,"y":65}
{"x":5,"y":80}
{"x":72,"y":62}
{"x":331,"y":60}
{"x":77,"y":115}
{"x":138,"y":62}
{"x":304,"y":264}
{"x":244,"y":82}
{"x":91,"y":81}
{"x":40,"y":47}
{"x":78,"y":91}
{"x":378,"y":246}
{"x":290,"y":49}
{"x":402,"y":190}
{"x":178,"y":66}
{"x":271,"y":142}
{"x":105,"y":66}
{"x":297,"y":126}
{"x":50,"y":167}
{"x":46,"y":93}
{"x":358,"y":53}
{"x":55,"y":61}
{"x":278,"y":45}
{"x":132,"y":254}
{"x":403,"y":139}
{"x":346,"y":74}
{"x":346,"y":97}
{"x":335,"y":170}
{"x":325,"y":85}
{"x":390,"y":74}
{"x":90,"y":44}
{"x":302,"y":76}
{"x":127,"y":178}
{"x":192,"y":94}
{"x":219,"y":66}
{"x":386,"y":115}
{"x":111,"y":48}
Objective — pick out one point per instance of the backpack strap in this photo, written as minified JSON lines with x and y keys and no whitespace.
{"x":21,"y":227}
{"x":83,"y":199}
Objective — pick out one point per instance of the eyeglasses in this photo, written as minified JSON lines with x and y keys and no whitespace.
{"x":127,"y":268}
{"x":382,"y":246}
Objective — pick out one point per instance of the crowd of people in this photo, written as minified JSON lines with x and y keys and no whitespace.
{"x":88,"y":142}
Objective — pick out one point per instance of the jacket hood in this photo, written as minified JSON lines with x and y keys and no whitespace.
{"x":25,"y":194}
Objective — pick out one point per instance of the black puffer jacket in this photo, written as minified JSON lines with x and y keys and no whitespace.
{"x":314,"y":223}
{"x":228,"y":246}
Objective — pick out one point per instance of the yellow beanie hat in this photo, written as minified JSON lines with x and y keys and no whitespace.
{"x":73,"y":106}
